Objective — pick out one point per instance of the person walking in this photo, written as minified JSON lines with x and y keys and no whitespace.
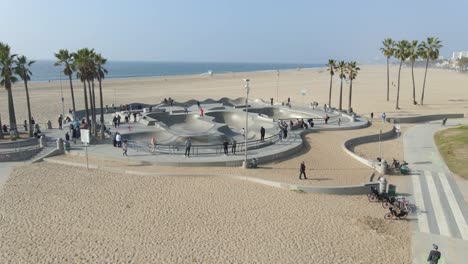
{"x":234,"y":146}
{"x":339,"y":121}
{"x":134,"y":117}
{"x":67,"y":136}
{"x":262,"y":134}
{"x":118,"y":120}
{"x":242,"y":132}
{"x":124,"y":148}
{"x":198,"y":104}
{"x":153,"y":145}
{"x":114,"y":121}
{"x":372,"y":116}
{"x":434,"y":255}
{"x":60,"y":121}
{"x":326,"y":119}
{"x":118,"y":139}
{"x":188,"y":145}
{"x":444,"y":121}
{"x":114,"y":140}
{"x":225,"y":147}
{"x":280,"y":135}
{"x":25,"y":125}
{"x":302,"y":171}
{"x":271,"y":101}
{"x":202,"y":112}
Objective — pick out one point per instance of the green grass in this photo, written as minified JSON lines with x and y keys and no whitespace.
{"x":453,"y":146}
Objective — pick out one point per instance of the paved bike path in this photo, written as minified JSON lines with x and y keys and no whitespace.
{"x":442,"y":213}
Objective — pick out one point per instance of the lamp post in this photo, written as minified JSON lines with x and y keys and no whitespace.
{"x":61,"y":92}
{"x":247,"y":90}
{"x":277,"y":84}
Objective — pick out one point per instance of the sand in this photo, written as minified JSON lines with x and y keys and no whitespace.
{"x":445,"y":91}
{"x":57,"y":214}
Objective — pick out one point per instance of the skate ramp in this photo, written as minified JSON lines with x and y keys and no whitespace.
{"x":279,"y":113}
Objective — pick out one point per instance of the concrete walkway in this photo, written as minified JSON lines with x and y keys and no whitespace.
{"x":442,"y":213}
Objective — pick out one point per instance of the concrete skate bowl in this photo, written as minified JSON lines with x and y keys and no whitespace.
{"x":282,"y":114}
{"x":234,"y":121}
{"x":182,"y":123}
{"x":224,"y":100}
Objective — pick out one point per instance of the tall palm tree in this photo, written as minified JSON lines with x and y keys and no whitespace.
{"x":414,"y":51}
{"x":430,"y":49}
{"x":23,"y":70}
{"x":99,"y":62}
{"x":352,"y":73}
{"x":7,"y":62}
{"x":388,"y":50}
{"x":401,"y":53}
{"x":66,"y":59}
{"x":81,"y":62}
{"x":342,"y":67}
{"x":331,"y":68}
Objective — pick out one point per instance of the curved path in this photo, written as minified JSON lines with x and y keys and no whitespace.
{"x":442,"y":213}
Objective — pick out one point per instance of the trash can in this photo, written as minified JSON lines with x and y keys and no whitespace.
{"x":49,"y":124}
{"x":67,"y":146}
{"x":381,"y":167}
{"x":382,"y":185}
{"x":404,"y":170}
{"x":254,"y":163}
{"x":392,"y":189}
{"x":60,"y":144}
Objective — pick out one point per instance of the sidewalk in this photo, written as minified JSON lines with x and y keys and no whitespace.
{"x":442,"y":213}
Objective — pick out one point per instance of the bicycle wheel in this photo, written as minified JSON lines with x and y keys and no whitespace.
{"x":373,"y":198}
{"x":386,"y":204}
{"x":388,"y":216}
{"x":409,"y":208}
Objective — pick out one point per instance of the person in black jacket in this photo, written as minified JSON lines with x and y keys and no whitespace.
{"x":262,"y":134}
{"x":302,"y":171}
{"x":434,"y":255}
{"x":225,"y":147}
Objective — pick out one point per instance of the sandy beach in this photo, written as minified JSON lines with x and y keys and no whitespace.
{"x":109,"y":217}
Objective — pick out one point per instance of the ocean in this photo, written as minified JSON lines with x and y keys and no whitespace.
{"x":44,"y":70}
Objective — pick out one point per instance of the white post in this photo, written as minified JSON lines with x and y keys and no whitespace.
{"x":247,"y":90}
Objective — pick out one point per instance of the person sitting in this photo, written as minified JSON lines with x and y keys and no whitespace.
{"x":5,"y":128}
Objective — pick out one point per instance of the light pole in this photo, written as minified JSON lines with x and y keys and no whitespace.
{"x":247,"y":90}
{"x":277,"y":84}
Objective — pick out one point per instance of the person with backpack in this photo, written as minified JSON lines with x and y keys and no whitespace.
{"x":434,"y":255}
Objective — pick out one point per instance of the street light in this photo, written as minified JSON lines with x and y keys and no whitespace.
{"x":277,"y":84}
{"x":61,"y":92}
{"x":247,"y":90}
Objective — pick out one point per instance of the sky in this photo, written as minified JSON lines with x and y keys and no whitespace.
{"x":289,"y":31}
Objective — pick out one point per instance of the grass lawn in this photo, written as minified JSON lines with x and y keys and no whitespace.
{"x":453,"y":146}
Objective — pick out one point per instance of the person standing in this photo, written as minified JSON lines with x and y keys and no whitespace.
{"x":434,"y":255}
{"x":114,"y":140}
{"x":67,"y":136}
{"x":202,"y":112}
{"x":153,"y":144}
{"x":25,"y":125}
{"x":234,"y":145}
{"x":372,"y":116}
{"x":271,"y":101}
{"x":125,"y":148}
{"x":242,"y":132}
{"x":198,"y":104}
{"x":302,"y":171}
{"x":60,"y":121}
{"x":262,"y":134}
{"x":225,"y":147}
{"x":280,"y":135}
{"x":118,"y":139}
{"x":188,"y":145}
{"x":134,"y":117}
{"x":339,"y":121}
{"x":114,"y":120}
{"x":118,"y":120}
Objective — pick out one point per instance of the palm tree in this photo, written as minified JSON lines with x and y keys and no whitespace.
{"x":388,"y":50}
{"x":413,"y":54}
{"x":430,"y":49}
{"x":81,"y":59}
{"x":352,"y":73}
{"x":66,"y":59}
{"x":99,"y":62}
{"x":342,"y":67}
{"x":401,"y":53}
{"x":7,"y":61}
{"x":23,"y":70}
{"x":331,"y":68}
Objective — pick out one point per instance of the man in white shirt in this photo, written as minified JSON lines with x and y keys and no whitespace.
{"x":118,"y":138}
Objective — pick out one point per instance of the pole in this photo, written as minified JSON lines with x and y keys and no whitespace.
{"x":61,"y":92}
{"x":380,"y":144}
{"x":86,"y":151}
{"x":247,"y":89}
{"x":277,"y":84}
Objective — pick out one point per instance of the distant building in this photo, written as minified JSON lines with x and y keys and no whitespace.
{"x":459,"y":54}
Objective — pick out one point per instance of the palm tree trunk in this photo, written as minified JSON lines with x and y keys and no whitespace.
{"x":86,"y":103}
{"x":102,"y":109}
{"x":398,"y":90}
{"x":91,"y":106}
{"x":388,"y":79}
{"x":72,"y":96}
{"x":424,"y":83}
{"x":94,"y":107}
{"x":1,"y":130}
{"x":330,"y":92}
{"x":414,"y":86}
{"x":341,"y":93}
{"x":11,"y":108}
{"x":350,"y":94}
{"x":28,"y":103}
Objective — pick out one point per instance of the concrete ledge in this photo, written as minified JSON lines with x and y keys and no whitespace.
{"x":21,"y":155}
{"x":54,"y":152}
{"x":364,"y":140}
{"x":424,"y":118}
{"x":337,"y":190}
{"x":19,"y":143}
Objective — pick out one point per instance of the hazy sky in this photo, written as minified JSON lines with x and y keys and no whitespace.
{"x":229,"y":31}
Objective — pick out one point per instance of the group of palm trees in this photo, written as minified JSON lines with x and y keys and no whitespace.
{"x":404,"y":50}
{"x":346,"y":70}
{"x":86,"y":63}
